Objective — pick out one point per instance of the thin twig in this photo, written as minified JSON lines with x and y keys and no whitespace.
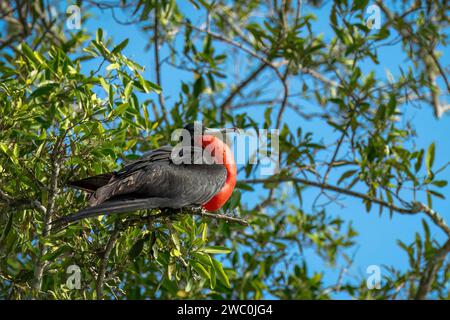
{"x":158,"y":66}
{"x":219,"y":216}
{"x":189,"y":211}
{"x":336,"y":151}
{"x":226,"y":103}
{"x":285,"y":98}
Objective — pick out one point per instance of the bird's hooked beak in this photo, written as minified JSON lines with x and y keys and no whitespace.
{"x":220,"y":131}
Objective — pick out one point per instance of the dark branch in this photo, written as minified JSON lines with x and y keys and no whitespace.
{"x":414,"y":208}
{"x":432,"y":268}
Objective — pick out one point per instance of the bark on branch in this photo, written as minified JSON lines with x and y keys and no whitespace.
{"x":21,"y":204}
{"x":104,"y":262}
{"x":414,"y":208}
{"x":40,"y":265}
{"x":431,"y":270}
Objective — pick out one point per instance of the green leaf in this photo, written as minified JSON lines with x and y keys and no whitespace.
{"x":429,"y":160}
{"x":418,"y":164}
{"x":359,"y":5}
{"x":440,"y":183}
{"x":171,"y":268}
{"x":203,"y":258}
{"x":346,"y":175}
{"x":43,"y":90}
{"x":221,"y":273}
{"x":175,"y":253}
{"x":149,"y":86}
{"x":111,"y":95}
{"x":5,"y":148}
{"x":127,"y":90}
{"x":176,"y":240}
{"x":267,"y":117}
{"x":200,"y":269}
{"x":215,"y":250}
{"x":213,"y":278}
{"x":136,"y":249}
{"x":436,"y":194}
{"x":113,"y":66}
{"x":30,"y":55}
{"x":104,"y":84}
{"x":99,"y":35}
{"x":244,"y":186}
{"x":204,"y":231}
{"x":121,"y":108}
{"x":199,"y":86}
{"x":235,"y":199}
{"x":56,"y":253}
{"x":426,"y":229}
{"x":120,"y":46}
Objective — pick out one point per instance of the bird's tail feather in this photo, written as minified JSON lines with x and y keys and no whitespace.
{"x":111,"y":207}
{"x":92,"y":183}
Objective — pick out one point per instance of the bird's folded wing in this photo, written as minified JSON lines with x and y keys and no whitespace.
{"x":158,"y":155}
{"x":92,"y":183}
{"x":125,"y":184}
{"x":166,"y":154}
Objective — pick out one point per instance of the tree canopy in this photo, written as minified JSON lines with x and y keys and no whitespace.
{"x":73,"y":104}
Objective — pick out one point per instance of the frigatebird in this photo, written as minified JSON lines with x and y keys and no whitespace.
{"x":165,"y":178}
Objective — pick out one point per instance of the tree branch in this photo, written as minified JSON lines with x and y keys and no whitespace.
{"x":226,"y":103}
{"x":104,"y":262}
{"x":414,"y":208}
{"x":219,"y":216}
{"x":21,"y":204}
{"x":49,"y":212}
{"x":432,"y":268}
{"x":196,"y":211}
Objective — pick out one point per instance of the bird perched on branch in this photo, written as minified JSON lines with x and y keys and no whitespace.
{"x":200,"y":171}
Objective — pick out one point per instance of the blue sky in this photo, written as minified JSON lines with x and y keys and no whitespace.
{"x":377,"y":234}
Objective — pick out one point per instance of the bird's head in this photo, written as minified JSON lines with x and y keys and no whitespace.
{"x":197,"y":132}
{"x":195,"y":137}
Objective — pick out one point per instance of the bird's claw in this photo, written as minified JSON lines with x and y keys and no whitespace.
{"x":196,"y":209}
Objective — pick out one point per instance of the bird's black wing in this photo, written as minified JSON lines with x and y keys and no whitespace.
{"x":164,"y":185}
{"x":91,"y":184}
{"x":134,"y":175}
{"x":150,"y":173}
{"x":154,"y":182}
{"x":162,"y":154}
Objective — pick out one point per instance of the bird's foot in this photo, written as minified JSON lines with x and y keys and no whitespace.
{"x":196,"y":209}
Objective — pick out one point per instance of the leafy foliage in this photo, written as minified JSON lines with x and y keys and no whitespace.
{"x":61,"y":119}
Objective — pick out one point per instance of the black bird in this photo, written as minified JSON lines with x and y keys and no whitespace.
{"x":168,"y":177}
